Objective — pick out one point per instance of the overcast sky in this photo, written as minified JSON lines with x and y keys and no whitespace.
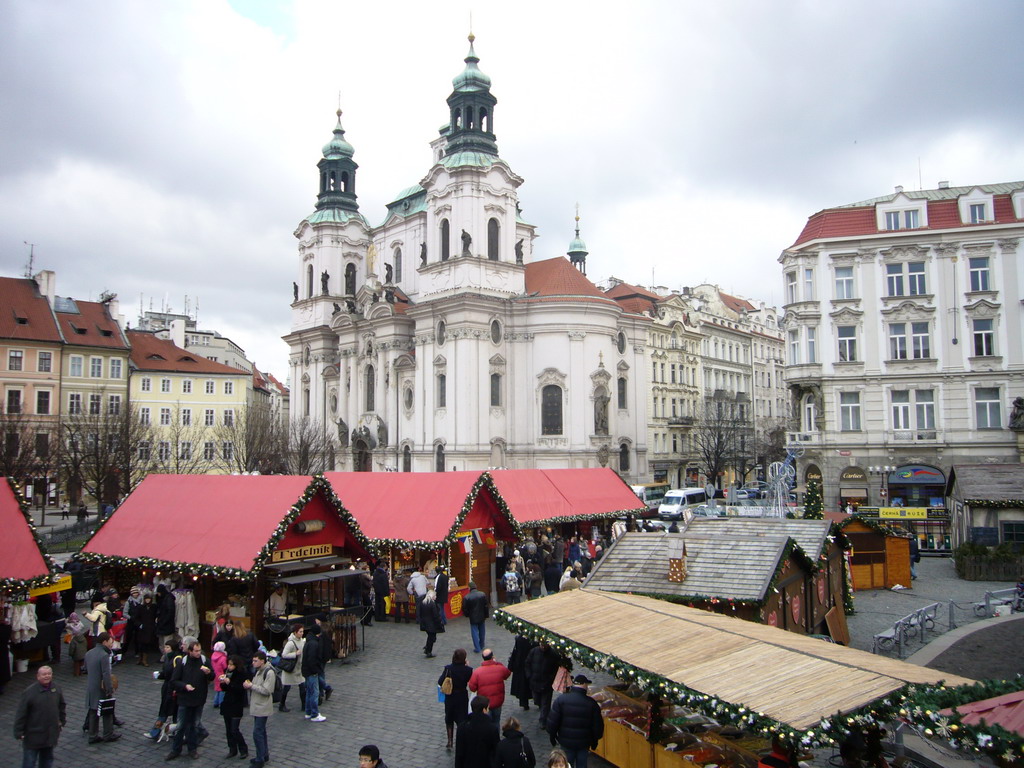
{"x":169,"y":149}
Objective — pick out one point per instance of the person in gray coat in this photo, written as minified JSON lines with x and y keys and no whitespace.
{"x":41,"y":715}
{"x":100,"y":686}
{"x":261,"y":705}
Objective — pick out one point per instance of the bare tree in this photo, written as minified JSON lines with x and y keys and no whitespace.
{"x":722,"y":438}
{"x":183,"y":446}
{"x":100,"y":451}
{"x":310,"y":448}
{"x":26,"y":453}
{"x":259,"y":440}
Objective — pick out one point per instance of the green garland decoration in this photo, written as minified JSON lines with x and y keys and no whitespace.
{"x":37,"y":581}
{"x":917,"y":705}
{"x":583,"y":518}
{"x":875,"y":525}
{"x":995,"y":503}
{"x":317,"y":485}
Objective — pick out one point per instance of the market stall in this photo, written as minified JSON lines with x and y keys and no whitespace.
{"x":750,"y":680}
{"x":223,"y":543}
{"x":422,"y":519}
{"x":26,"y":572}
{"x":879,"y":553}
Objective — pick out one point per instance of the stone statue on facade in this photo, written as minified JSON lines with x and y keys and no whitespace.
{"x":602,"y":455}
{"x":601,"y":414}
{"x":1017,"y":415}
{"x":337,"y":309}
{"x":423,"y":254}
{"x":388,"y":273}
{"x":467,"y":241}
{"x":342,"y":434}
{"x":325,"y":278}
{"x":382,"y":433}
{"x":519,"y":252}
{"x":295,"y":291}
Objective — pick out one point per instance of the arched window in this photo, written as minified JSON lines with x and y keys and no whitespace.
{"x":622,"y":392}
{"x":309,"y":281}
{"x":469,"y":119}
{"x":446,"y":246}
{"x":493,"y":231}
{"x":371,"y":386}
{"x":495,"y":390}
{"x":456,"y":119}
{"x":398,"y":265}
{"x":332,"y":182}
{"x":551,"y":410}
{"x":485,"y":120}
{"x":305,"y":401}
{"x":623,"y":458}
{"x":344,"y":181}
{"x":439,"y":459}
{"x":809,"y":414}
{"x":407,"y":459}
{"x":323,"y":181}
{"x":350,"y":280}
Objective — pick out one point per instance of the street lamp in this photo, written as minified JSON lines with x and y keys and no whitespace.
{"x":883,"y":472}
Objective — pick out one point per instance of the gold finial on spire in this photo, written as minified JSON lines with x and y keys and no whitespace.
{"x":577,"y":219}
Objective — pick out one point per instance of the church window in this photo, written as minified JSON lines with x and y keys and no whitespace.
{"x":398,"y":265}
{"x":457,"y":119}
{"x":407,"y":459}
{"x":442,"y":334}
{"x":439,"y":459}
{"x":442,"y":390}
{"x":469,"y":119}
{"x":620,"y":342}
{"x":485,"y":120}
{"x":495,"y":331}
{"x":371,"y":386}
{"x":309,"y":281}
{"x":622,"y":392}
{"x":305,"y":401}
{"x":408,"y":398}
{"x":495,"y":390}
{"x":332,"y":182}
{"x":551,"y":410}
{"x":493,"y":231}
{"x":350,"y":280}
{"x":344,"y":181}
{"x":624,"y":458}
{"x":446,"y":246}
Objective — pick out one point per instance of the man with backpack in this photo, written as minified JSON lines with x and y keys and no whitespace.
{"x":513,"y":584}
{"x":191,"y":681}
{"x":262,"y":689}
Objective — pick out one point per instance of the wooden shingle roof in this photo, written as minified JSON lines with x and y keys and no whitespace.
{"x":733,"y":568}
{"x":987,"y":482}
{"x":810,"y":535}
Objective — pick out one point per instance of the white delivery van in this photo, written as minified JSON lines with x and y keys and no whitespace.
{"x":651,"y":494}
{"x":676,"y":502}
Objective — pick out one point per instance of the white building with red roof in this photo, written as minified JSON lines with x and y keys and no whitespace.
{"x":904,"y":344}
{"x":439,"y":339}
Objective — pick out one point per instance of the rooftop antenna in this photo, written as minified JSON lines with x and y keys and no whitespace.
{"x":31,"y":257}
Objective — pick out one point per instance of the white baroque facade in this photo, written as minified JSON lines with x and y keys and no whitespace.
{"x":438,"y":341}
{"x":903,"y":340}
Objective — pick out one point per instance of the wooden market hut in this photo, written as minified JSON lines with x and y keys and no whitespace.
{"x":227,"y":538}
{"x":26,"y":570}
{"x":741,"y":576}
{"x":721,"y":665}
{"x":879,"y":553}
{"x":420,"y":518}
{"x":801,"y":598}
{"x":571,"y":499}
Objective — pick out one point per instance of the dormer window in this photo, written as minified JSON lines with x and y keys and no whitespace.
{"x":978,"y":213}
{"x":901,"y":220}
{"x":976,"y":207}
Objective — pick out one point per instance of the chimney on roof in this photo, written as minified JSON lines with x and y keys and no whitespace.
{"x":677,"y":560}
{"x":47,"y":282}
{"x":178,"y":332}
{"x":899,"y":188}
{"x":613,"y":281}
{"x":943,"y":185}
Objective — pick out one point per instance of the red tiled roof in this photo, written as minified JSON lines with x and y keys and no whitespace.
{"x":851,"y":222}
{"x":558,"y":277}
{"x":635,"y":304}
{"x":91,"y":327}
{"x":150,"y":353}
{"x":624,"y":290}
{"x":280,"y":387}
{"x":25,"y":313}
{"x":736,"y":304}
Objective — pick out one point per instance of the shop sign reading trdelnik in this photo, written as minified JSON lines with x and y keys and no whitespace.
{"x":302,"y":553}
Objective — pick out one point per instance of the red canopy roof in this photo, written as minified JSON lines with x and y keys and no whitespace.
{"x":426,"y":508}
{"x":1006,"y":711}
{"x":22,"y":559}
{"x":213,"y":523}
{"x":563,"y":495}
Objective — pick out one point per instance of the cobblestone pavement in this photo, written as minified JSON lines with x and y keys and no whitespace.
{"x":386,"y":694}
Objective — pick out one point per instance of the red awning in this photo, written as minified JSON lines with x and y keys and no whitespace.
{"x":1006,"y":711}
{"x":21,"y":556}
{"x":425,"y":507}
{"x":205,"y":521}
{"x":562,"y":495}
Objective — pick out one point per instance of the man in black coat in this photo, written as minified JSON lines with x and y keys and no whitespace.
{"x":312,"y":669}
{"x":41,"y":715}
{"x":441,"y":583}
{"x":476,"y":743}
{"x":541,"y":667}
{"x":190,"y":681}
{"x":326,"y":654}
{"x":165,"y":609}
{"x":575,"y":722}
{"x":476,"y":607}
{"x":381,"y":591}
